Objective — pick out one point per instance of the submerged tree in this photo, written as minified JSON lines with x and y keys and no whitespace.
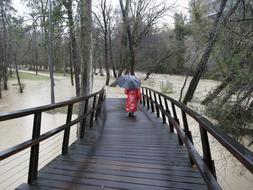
{"x":213,"y":35}
{"x":231,"y":102}
{"x":17,"y":31}
{"x":5,"y":14}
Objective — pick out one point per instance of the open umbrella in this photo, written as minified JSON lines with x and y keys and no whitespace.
{"x":129,"y":82}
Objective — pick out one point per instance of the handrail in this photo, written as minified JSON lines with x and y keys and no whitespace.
{"x":29,"y":111}
{"x":37,"y":137}
{"x":240,"y":152}
{"x":22,"y":146}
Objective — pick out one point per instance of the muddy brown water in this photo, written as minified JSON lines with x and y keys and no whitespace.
{"x":13,"y":171}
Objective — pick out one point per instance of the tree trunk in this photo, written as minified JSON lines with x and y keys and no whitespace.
{"x":106,"y":48}
{"x":203,"y":61}
{"x":126,"y":24}
{"x":71,"y":64}
{"x":17,"y":73}
{"x":86,"y":47}
{"x":218,"y":90}
{"x":233,"y":90}
{"x":36,"y":52}
{"x":111,"y":55}
{"x":4,"y":53}
{"x":100,"y":67}
{"x":50,"y":54}
{"x":0,"y":77}
{"x":9,"y":62}
{"x":106,"y":58}
{"x":147,"y":75}
{"x":76,"y":65}
{"x":123,"y":53}
{"x":86,"y":54}
{"x":0,"y":86}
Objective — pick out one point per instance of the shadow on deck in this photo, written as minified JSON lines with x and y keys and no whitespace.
{"x":124,"y":153}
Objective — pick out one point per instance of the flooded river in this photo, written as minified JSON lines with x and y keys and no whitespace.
{"x":13,"y":170}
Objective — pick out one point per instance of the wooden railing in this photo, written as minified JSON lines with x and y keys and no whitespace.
{"x":159,"y":102}
{"x":92,"y":111}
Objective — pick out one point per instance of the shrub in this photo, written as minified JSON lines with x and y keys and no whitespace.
{"x":166,"y":88}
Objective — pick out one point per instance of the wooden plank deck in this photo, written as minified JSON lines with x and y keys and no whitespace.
{"x":124,"y":153}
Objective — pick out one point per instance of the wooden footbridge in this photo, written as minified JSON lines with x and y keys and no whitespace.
{"x":152,"y":151}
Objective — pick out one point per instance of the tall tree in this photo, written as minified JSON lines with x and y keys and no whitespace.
{"x":105,"y":13}
{"x":68,"y":4}
{"x":139,"y":18}
{"x":17,"y":32}
{"x":86,"y":47}
{"x":5,"y":13}
{"x":125,"y":15}
{"x":50,"y":52}
{"x":180,"y":32}
{"x":43,"y":11}
{"x":110,"y":33}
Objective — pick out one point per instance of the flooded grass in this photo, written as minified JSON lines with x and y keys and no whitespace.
{"x":29,"y":76}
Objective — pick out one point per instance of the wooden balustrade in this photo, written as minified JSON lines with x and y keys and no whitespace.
{"x":34,"y":143}
{"x":206,"y":164}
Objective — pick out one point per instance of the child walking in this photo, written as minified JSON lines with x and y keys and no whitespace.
{"x":133,"y":97}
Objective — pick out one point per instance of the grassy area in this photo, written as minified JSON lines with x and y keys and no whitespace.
{"x":55,"y":73}
{"x":29,"y":76}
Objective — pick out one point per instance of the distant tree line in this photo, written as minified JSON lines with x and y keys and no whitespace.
{"x":125,"y":38}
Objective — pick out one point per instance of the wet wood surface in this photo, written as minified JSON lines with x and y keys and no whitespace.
{"x":124,"y":153}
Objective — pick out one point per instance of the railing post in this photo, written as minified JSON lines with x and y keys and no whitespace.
{"x":34,"y":155}
{"x":143,"y":97}
{"x":98,"y":109}
{"x":180,"y":142}
{"x":151,"y":101}
{"x":157,"y":109}
{"x":161,"y":104}
{"x":92,"y":113}
{"x":102,"y":100}
{"x":147,"y":99}
{"x":65,"y":143}
{"x":186,"y":127}
{"x":207,"y":157}
{"x":187,"y":131}
{"x":168,"y":110}
{"x":83,"y":122}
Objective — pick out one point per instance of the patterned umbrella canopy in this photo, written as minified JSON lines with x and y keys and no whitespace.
{"x":129,"y":82}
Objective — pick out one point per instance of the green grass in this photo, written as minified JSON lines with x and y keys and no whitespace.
{"x":29,"y":76}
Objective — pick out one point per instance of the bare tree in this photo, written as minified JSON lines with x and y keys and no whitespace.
{"x":73,"y":45}
{"x":127,"y":29}
{"x":104,"y":24}
{"x":110,"y":33}
{"x":139,"y":17}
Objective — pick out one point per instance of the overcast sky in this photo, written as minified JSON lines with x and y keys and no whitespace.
{"x":182,"y":6}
